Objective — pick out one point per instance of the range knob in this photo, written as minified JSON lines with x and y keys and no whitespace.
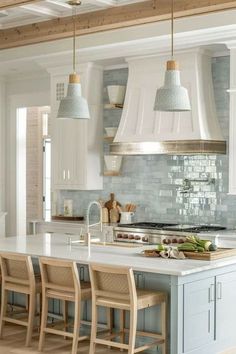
{"x":180,"y":240}
{"x":125,"y":236}
{"x":131,"y":237}
{"x":145,"y":239}
{"x":174,"y":240}
{"x":119,"y":235}
{"x":136,"y":237}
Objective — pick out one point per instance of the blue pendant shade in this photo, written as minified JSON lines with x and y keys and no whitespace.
{"x":74,"y":105}
{"x":172,"y":97}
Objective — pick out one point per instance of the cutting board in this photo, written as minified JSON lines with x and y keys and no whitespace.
{"x":67,"y":218}
{"x":211,"y":256}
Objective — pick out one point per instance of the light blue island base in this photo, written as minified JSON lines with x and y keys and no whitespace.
{"x":202,"y":295}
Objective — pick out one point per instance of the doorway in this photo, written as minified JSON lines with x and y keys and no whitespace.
{"x":33,"y":166}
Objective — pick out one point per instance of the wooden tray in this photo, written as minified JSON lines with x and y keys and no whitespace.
{"x":211,"y":256}
{"x":67,"y":218}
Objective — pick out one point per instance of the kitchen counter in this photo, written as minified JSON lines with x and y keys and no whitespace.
{"x":201,"y":294}
{"x":55,"y":245}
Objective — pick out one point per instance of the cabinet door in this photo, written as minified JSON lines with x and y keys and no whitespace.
{"x":225,"y":306}
{"x":199,"y":317}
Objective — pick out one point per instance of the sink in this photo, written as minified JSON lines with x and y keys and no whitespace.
{"x":117,"y":244}
{"x":98,"y":242}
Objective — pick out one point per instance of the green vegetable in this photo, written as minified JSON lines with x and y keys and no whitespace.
{"x":213,"y":248}
{"x":198,"y":242}
{"x":160,"y":247}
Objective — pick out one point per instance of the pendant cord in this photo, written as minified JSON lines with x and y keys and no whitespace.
{"x":74,"y":38}
{"x":172,"y":29}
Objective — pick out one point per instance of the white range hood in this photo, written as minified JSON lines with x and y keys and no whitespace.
{"x":144,"y":131}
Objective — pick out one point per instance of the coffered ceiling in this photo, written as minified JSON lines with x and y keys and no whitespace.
{"x":14,"y":13}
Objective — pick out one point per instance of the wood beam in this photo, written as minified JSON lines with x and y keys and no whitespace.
{"x":5,"y":4}
{"x":108,"y":19}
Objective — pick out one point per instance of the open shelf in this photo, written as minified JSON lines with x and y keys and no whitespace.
{"x":113,"y":106}
{"x":109,"y":139}
{"x":111,"y":173}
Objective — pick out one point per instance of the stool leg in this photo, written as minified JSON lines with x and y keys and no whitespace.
{"x":110,"y":319}
{"x":93,"y":329}
{"x":76,"y":327}
{"x":3,"y":310}
{"x":65,"y":316}
{"x":132,"y":331}
{"x":31,"y":316}
{"x":163,"y":326}
{"x":43,"y":322}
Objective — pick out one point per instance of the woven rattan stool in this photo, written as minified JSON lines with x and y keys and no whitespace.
{"x":114,"y":287}
{"x":18,"y":276}
{"x":60,"y":280}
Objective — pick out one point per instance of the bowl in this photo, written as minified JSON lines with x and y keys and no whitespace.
{"x":113,"y":162}
{"x":116,"y":94}
{"x":111,"y":132}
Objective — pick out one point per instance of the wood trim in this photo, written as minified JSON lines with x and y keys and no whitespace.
{"x":108,"y":19}
{"x":5,"y":4}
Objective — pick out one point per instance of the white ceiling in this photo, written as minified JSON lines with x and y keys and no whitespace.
{"x":49,"y":9}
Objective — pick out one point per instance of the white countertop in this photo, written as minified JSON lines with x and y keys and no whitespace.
{"x":55,"y":245}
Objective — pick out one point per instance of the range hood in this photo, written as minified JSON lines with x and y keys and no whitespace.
{"x":143,"y":131}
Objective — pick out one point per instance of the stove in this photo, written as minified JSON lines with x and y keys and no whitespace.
{"x":164,"y":233}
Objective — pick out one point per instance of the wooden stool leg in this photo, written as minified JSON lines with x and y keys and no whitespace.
{"x":31,"y":316}
{"x":3,"y":310}
{"x":110,"y":319}
{"x":43,"y":322}
{"x":132,"y":331}
{"x":93,"y":329}
{"x":76,"y":327}
{"x":164,"y":326}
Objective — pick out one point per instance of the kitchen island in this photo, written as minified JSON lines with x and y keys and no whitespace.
{"x":201,"y":294}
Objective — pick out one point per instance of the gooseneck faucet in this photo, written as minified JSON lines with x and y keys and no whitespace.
{"x":88,"y":225}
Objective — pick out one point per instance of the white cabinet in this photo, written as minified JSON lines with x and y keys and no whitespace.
{"x":209,"y":312}
{"x":77,"y":144}
{"x":199,"y":313}
{"x":225,"y":307}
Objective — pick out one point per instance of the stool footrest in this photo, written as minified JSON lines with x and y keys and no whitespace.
{"x":109,"y":343}
{"x":149,"y":345}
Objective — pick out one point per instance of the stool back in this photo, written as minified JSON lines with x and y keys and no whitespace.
{"x":59,"y":275}
{"x":17,"y":269}
{"x":115,"y":283}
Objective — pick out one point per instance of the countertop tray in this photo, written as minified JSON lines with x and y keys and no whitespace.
{"x":211,"y":256}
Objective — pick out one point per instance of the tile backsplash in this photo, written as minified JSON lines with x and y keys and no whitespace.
{"x":157,"y":183}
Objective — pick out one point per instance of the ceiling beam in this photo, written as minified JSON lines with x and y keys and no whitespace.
{"x":5,"y":4}
{"x":108,"y":19}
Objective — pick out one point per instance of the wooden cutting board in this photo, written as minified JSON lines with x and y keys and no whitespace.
{"x":211,"y":256}
{"x":67,"y":218}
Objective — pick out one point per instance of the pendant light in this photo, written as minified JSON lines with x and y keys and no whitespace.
{"x":172,"y":97}
{"x":74,"y":105}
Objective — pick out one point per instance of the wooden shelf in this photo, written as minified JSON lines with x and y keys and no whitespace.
{"x":113,"y":106}
{"x":109,"y":139}
{"x":111,"y":173}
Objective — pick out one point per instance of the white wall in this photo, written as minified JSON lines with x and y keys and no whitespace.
{"x":29,"y":92}
{"x":2,"y":144}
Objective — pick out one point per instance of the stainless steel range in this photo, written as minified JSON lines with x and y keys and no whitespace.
{"x":152,"y":233}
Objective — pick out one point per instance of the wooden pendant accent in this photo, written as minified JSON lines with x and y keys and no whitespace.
{"x":74,"y":79}
{"x":103,"y":20}
{"x":172,"y":65}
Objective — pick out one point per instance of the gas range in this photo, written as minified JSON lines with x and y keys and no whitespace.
{"x":164,"y":233}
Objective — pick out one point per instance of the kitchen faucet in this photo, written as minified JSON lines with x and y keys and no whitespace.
{"x":88,"y":225}
{"x":87,"y":237}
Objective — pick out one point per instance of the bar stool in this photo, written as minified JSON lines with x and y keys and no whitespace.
{"x":114,"y":287}
{"x":18,"y":276}
{"x":60,"y":280}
